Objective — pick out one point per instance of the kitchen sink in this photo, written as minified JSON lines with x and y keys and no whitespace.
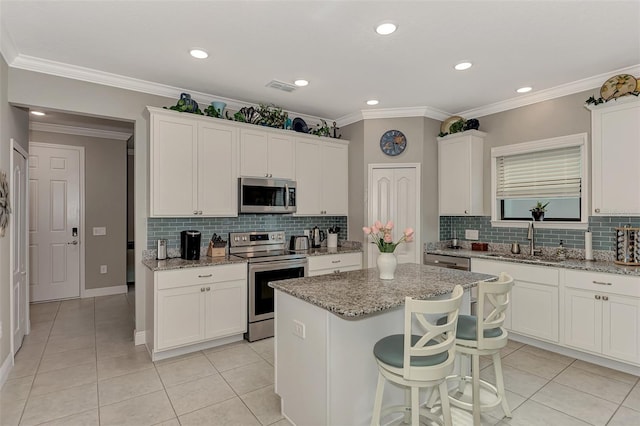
{"x":524,"y":258}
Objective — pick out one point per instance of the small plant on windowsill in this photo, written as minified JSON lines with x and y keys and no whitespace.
{"x":538,"y":210}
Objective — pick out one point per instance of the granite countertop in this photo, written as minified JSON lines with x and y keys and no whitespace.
{"x":179,"y":263}
{"x":355,"y":294}
{"x":579,"y":264}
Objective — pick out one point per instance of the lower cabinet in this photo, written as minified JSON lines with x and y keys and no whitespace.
{"x":334,"y":263}
{"x":193,"y":305}
{"x":602,"y":314}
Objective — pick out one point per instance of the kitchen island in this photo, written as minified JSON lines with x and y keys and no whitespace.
{"x":326,"y":327}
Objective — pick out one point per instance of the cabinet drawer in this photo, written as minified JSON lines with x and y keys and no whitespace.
{"x":334,"y":261}
{"x":206,"y":274}
{"x":600,"y":282}
{"x":519,"y":271}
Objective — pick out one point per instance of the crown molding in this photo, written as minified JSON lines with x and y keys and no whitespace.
{"x":372,"y":114}
{"x":548,"y":94}
{"x":79,"y":131}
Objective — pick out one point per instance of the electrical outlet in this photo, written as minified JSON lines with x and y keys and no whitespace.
{"x":103,"y":269}
{"x":99,"y":230}
{"x":298,"y":329}
{"x":471,"y":234}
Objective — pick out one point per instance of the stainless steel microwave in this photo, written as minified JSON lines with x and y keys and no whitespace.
{"x":258,"y":195}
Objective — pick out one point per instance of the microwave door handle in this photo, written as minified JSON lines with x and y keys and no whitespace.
{"x":286,"y":196}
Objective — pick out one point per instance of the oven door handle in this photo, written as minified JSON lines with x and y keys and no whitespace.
{"x":286,"y":196}
{"x":273,"y":266}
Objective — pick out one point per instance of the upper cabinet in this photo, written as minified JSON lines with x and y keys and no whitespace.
{"x":322,"y":175}
{"x":460,"y":174}
{"x":615,"y":133}
{"x":193,"y":166}
{"x":265,"y":153}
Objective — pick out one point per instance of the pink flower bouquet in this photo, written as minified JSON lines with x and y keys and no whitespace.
{"x":382,"y":236}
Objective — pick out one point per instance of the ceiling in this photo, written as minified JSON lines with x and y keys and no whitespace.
{"x":553,"y":46}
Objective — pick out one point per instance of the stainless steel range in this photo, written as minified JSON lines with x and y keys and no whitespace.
{"x":269,"y":260}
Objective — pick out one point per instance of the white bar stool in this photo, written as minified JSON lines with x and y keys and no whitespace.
{"x":416,"y":361}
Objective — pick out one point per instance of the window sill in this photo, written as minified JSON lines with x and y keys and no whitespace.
{"x":540,"y":225}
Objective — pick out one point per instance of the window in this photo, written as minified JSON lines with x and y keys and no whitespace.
{"x":551,"y":171}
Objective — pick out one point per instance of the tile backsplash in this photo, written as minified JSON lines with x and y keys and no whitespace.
{"x":602,"y":228}
{"x":169,"y":228}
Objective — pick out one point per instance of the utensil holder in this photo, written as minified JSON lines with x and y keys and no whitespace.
{"x":627,"y":246}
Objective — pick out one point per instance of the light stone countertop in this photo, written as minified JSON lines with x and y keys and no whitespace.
{"x":579,"y":264}
{"x":353,"y":295}
{"x":179,"y":263}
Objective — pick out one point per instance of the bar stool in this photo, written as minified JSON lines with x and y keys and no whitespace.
{"x":416,"y":361}
{"x":483,"y":335}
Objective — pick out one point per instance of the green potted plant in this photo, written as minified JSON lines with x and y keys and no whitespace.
{"x":538,"y":210}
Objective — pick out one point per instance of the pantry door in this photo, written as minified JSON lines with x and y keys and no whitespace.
{"x":54,"y":221}
{"x":394,"y":194}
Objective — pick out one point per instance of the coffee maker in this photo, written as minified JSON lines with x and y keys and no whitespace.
{"x":190,"y":244}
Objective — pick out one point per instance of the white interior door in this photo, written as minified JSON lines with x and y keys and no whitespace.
{"x":394,"y":194}
{"x":54,"y":222}
{"x":19,"y":249}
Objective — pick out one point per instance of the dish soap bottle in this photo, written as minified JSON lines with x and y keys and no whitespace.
{"x":562,"y":252}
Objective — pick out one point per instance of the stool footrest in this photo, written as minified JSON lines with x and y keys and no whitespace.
{"x":468,"y":405}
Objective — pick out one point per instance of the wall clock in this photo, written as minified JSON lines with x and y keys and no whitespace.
{"x":393,"y":142}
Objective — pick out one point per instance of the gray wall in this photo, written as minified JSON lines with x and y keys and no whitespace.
{"x":105,"y":205}
{"x":14,"y":123}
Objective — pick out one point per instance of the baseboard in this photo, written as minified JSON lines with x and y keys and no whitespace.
{"x":104,"y":291}
{"x":139,"y":337}
{"x":5,"y":369}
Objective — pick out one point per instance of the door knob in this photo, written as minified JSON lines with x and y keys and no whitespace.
{"x":74,"y":242}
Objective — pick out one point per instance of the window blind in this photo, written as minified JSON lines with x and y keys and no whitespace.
{"x":543,"y":174}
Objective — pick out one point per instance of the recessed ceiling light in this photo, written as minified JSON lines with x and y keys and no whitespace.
{"x":38,"y":113}
{"x":372,"y":102}
{"x":524,"y":89}
{"x":463,"y":66}
{"x":386,"y":28}
{"x":199,"y":53}
{"x":301,"y":82}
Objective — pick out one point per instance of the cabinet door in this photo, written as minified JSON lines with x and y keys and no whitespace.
{"x":582,"y":320}
{"x":534,"y":310}
{"x":454,"y":173}
{"x":253,"y":153}
{"x":173,"y":166}
{"x":335,"y":179}
{"x":226,"y":308}
{"x":308,"y":178}
{"x":620,"y":327}
{"x":217,"y":170}
{"x":616,"y":159}
{"x":180,"y":316}
{"x":281,"y":157}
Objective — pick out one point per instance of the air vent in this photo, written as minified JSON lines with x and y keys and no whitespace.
{"x":281,"y":85}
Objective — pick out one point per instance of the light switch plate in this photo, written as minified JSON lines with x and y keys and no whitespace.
{"x":471,"y":234}
{"x":99,"y":230}
{"x":103,"y":269}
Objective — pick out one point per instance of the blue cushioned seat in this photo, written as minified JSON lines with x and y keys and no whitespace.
{"x":390,"y":350}
{"x":468,"y":329}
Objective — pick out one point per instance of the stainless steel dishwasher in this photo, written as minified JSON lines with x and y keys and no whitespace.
{"x":452,"y":262}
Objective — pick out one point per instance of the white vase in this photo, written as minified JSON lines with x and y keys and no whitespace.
{"x":387,"y":263}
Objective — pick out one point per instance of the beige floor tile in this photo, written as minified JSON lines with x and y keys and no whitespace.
{"x":76,"y":305}
{"x":511,"y":347}
{"x":24,"y":368}
{"x":200,"y":393}
{"x":64,"y":378}
{"x":107,"y":335}
{"x":185,"y":370}
{"x":11,"y":411}
{"x":86,"y":418}
{"x":533,"y":414}
{"x":16,"y":389}
{"x":227,"y":346}
{"x":633,"y":400}
{"x":517,"y":381}
{"x":128,"y":386}
{"x":60,"y":404}
{"x":606,"y":372}
{"x":230,"y":412}
{"x":172,"y":422}
{"x":249,"y":377}
{"x":118,"y":348}
{"x":125,"y":364}
{"x":264,"y":404}
{"x":594,"y":384}
{"x":39,"y":333}
{"x":63,"y":344}
{"x":526,"y":361}
{"x":42,"y":317}
{"x":513,"y":399}
{"x":72,"y":331}
{"x":39,"y":308}
{"x":233,"y":357}
{"x":143,"y":410}
{"x":178,"y":358}
{"x":57,"y":361}
{"x":263,"y":346}
{"x":283,"y":422}
{"x":625,"y":417}
{"x":543,"y":353}
{"x":31,"y":350}
{"x":575,"y":403}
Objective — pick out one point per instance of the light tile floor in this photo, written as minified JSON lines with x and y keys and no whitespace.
{"x":79,"y":367}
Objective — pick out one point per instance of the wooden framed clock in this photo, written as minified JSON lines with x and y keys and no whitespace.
{"x":393,"y":142}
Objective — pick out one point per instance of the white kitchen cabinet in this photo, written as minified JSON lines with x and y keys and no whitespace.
{"x":264,"y":153}
{"x":615,"y":132}
{"x":334,"y":263}
{"x":460,"y":174}
{"x":602,"y":314}
{"x":194,"y":305}
{"x":193,"y":166}
{"x":322,"y":176}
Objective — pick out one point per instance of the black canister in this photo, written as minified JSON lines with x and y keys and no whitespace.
{"x":190,"y":245}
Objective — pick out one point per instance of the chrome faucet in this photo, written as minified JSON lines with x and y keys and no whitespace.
{"x":531,"y":236}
